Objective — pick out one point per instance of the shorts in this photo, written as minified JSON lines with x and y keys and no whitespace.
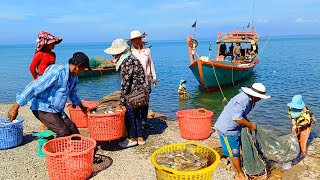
{"x":230,"y":145}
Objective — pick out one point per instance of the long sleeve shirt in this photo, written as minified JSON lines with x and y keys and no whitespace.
{"x":145,"y":58}
{"x":50,"y":91}
{"x":40,"y":62}
{"x":132,"y":77}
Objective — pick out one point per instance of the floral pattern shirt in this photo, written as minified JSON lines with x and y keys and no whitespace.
{"x":132,"y":77}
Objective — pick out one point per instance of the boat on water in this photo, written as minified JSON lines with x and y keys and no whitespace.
{"x":100,"y":67}
{"x":231,"y":63}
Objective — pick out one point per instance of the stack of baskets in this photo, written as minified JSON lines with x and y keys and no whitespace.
{"x":165,"y":173}
{"x":69,"y":157}
{"x":78,"y":117}
{"x":107,"y":127}
{"x":195,"y":124}
{"x":11,"y":133}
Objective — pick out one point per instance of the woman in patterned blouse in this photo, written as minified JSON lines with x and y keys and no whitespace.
{"x":132,"y":78}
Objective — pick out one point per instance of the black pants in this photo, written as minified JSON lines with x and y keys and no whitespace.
{"x":62,"y":126}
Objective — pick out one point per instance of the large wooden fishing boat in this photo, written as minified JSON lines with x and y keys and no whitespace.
{"x":225,"y":68}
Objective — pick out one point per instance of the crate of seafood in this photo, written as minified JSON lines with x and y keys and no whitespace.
{"x":195,"y":124}
{"x":77,"y":116}
{"x":11,"y":133}
{"x":106,"y":123}
{"x":185,"y":161}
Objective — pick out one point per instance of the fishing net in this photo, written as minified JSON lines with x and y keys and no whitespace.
{"x":279,"y":149}
{"x":100,"y":62}
{"x":252,"y":163}
{"x":265,"y":144}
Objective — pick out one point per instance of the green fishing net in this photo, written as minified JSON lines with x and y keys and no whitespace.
{"x":265,"y":145}
{"x":100,"y":62}
{"x":252,"y":162}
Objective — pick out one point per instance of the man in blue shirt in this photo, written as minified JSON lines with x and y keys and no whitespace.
{"x":233,"y":118}
{"x":49,"y":93}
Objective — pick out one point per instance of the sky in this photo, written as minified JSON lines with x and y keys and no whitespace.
{"x":105,"y":20}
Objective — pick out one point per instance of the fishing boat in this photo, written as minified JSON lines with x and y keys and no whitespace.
{"x":97,"y":72}
{"x":225,"y":68}
{"x":100,"y":67}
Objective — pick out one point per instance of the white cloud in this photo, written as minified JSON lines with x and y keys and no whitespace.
{"x":76,"y":19}
{"x":307,"y":21}
{"x":263,"y":21}
{"x":184,"y":4}
{"x":14,"y":15}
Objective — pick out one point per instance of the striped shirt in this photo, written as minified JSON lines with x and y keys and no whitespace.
{"x":50,"y":91}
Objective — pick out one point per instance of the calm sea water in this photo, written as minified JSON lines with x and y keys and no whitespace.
{"x":288,"y":66}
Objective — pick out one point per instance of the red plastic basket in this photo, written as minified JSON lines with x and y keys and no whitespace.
{"x":195,"y":124}
{"x":69,"y":159}
{"x":78,"y":117}
{"x":107,"y":127}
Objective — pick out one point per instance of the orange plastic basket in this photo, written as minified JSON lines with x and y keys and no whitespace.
{"x":69,"y":159}
{"x":107,"y":127}
{"x":78,"y":117}
{"x":195,"y":124}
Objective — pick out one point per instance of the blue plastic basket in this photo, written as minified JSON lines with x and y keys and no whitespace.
{"x":11,"y":134}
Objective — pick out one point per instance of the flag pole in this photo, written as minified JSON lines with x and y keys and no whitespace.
{"x":195,"y":29}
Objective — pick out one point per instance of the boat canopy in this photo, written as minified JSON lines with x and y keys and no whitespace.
{"x":234,"y":37}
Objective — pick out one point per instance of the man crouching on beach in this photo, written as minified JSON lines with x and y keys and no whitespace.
{"x":233,"y":118}
{"x":49,"y":93}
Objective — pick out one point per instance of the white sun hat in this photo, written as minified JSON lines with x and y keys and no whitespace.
{"x":256,"y":90}
{"x":137,"y":34}
{"x":118,"y":46}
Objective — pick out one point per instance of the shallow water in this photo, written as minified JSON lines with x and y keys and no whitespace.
{"x":288,"y":66}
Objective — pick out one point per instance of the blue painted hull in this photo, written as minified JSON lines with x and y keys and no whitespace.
{"x":213,"y":75}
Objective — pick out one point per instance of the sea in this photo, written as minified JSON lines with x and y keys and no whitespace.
{"x":288,"y":65}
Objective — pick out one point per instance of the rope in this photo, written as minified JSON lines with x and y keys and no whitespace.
{"x":232,"y":78}
{"x":214,"y":71}
{"x":265,"y":45}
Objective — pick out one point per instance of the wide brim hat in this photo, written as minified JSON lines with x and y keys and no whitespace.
{"x":118,"y":46}
{"x":137,"y":34}
{"x":256,"y":90}
{"x":44,"y":38}
{"x":296,"y":102}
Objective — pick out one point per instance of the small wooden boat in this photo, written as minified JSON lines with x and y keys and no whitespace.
{"x":226,"y":68}
{"x":97,"y":72}
{"x":100,"y":71}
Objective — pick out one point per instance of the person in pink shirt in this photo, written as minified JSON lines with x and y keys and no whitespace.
{"x":144,"y":55}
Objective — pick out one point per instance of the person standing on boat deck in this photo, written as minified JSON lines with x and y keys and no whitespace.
{"x":144,"y":55}
{"x":237,"y":51}
{"x":233,"y":118}
{"x":132,"y":78}
{"x":43,"y":56}
{"x":301,"y":118}
{"x":48,"y":95}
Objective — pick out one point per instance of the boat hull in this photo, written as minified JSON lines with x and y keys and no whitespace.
{"x":210,"y":75}
{"x":97,"y":72}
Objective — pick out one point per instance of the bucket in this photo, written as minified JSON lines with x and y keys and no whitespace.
{"x":286,"y":165}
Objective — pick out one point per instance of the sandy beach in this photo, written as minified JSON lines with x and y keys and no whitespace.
{"x":133,"y":163}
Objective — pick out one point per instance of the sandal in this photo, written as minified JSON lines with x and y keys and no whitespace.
{"x":127,"y":143}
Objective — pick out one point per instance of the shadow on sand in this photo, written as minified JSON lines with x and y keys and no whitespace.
{"x":151,"y":127}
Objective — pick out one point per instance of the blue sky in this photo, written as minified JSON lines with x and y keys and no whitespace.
{"x":102,"y":20}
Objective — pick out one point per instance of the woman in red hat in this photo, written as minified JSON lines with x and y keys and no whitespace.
{"x":44,"y":56}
